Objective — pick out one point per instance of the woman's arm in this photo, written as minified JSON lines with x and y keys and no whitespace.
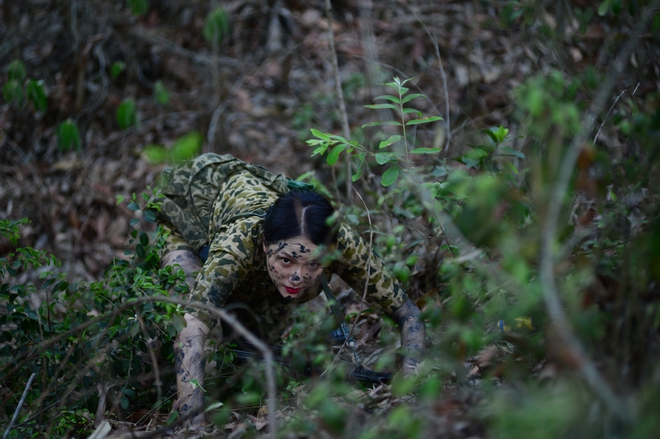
{"x":413,"y":334}
{"x":189,"y":346}
{"x":384,"y":291}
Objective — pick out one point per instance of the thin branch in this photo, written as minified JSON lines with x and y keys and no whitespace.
{"x":19,"y":406}
{"x":443,"y":75}
{"x":549,"y":232}
{"x":210,"y":138}
{"x":340,"y":96}
{"x":611,"y":108}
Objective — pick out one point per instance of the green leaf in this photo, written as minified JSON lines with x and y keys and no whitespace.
{"x":338,"y":138}
{"x":144,"y":239}
{"x":410,"y":97}
{"x":506,"y":151}
{"x":155,"y":154}
{"x":215,"y":405}
{"x":382,"y":158}
{"x":36,"y":93}
{"x":412,"y":111}
{"x":195,"y":385}
{"x":390,"y":176}
{"x":390,"y":141}
{"x":501,"y":133}
{"x":334,"y":154}
{"x":382,"y":106}
{"x":120,"y":199}
{"x":604,"y":7}
{"x":186,"y":147}
{"x":16,"y":71}
{"x":177,"y":322}
{"x":425,"y":151}
{"x":68,"y":136}
{"x":173,"y":417}
{"x":492,"y":135}
{"x":127,"y":115}
{"x":320,"y":135}
{"x":150,"y":216}
{"x":358,"y":173}
{"x":117,"y":68}
{"x":497,"y":135}
{"x":390,"y":98}
{"x":161,"y":94}
{"x":321,"y":149}
{"x":13,"y":92}
{"x":216,"y":26}
{"x":423,"y":120}
{"x":375,"y":124}
{"x":138,"y":7}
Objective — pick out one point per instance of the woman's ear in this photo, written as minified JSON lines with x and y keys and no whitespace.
{"x":263,"y":243}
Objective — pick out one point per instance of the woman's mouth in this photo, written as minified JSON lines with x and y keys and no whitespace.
{"x":292,"y":290}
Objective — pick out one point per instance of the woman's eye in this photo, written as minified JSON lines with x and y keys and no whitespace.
{"x":314,"y":265}
{"x":286,"y":260}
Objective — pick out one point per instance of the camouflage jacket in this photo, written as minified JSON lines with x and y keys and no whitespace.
{"x":234,"y":275}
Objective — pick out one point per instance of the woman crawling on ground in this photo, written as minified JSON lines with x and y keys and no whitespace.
{"x":239,"y":240}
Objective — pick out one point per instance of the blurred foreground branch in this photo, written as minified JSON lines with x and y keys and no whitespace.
{"x":549,"y":231}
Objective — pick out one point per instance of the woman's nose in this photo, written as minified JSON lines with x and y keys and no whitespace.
{"x":295,"y":277}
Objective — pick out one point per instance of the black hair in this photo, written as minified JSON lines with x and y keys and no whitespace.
{"x":301,"y":212}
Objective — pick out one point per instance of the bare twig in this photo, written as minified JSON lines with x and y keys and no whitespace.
{"x":152,"y":354}
{"x":343,"y":115}
{"x":19,"y":406}
{"x":611,"y":108}
{"x":154,"y":35}
{"x":210,"y":138}
{"x":445,"y":89}
{"x":549,"y":232}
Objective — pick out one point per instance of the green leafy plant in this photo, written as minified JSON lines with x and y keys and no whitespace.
{"x":68,"y":136}
{"x":127,"y":114}
{"x":117,"y":68}
{"x":19,"y":86}
{"x":216,"y":26}
{"x":161,"y":94}
{"x":394,"y":150}
{"x":183,"y":148}
{"x":87,"y":331}
{"x":138,"y":7}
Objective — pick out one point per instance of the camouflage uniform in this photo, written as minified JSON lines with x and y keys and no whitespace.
{"x":220,"y":201}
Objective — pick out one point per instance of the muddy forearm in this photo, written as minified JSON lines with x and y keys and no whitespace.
{"x":189,"y":368}
{"x":413,"y":333}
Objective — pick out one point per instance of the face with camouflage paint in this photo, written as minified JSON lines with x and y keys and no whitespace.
{"x":292,"y":266}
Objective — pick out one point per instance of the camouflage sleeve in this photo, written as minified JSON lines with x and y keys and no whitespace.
{"x":229,"y":260}
{"x":383,"y":291}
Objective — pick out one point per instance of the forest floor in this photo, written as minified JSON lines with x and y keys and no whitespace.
{"x":256,"y":96}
